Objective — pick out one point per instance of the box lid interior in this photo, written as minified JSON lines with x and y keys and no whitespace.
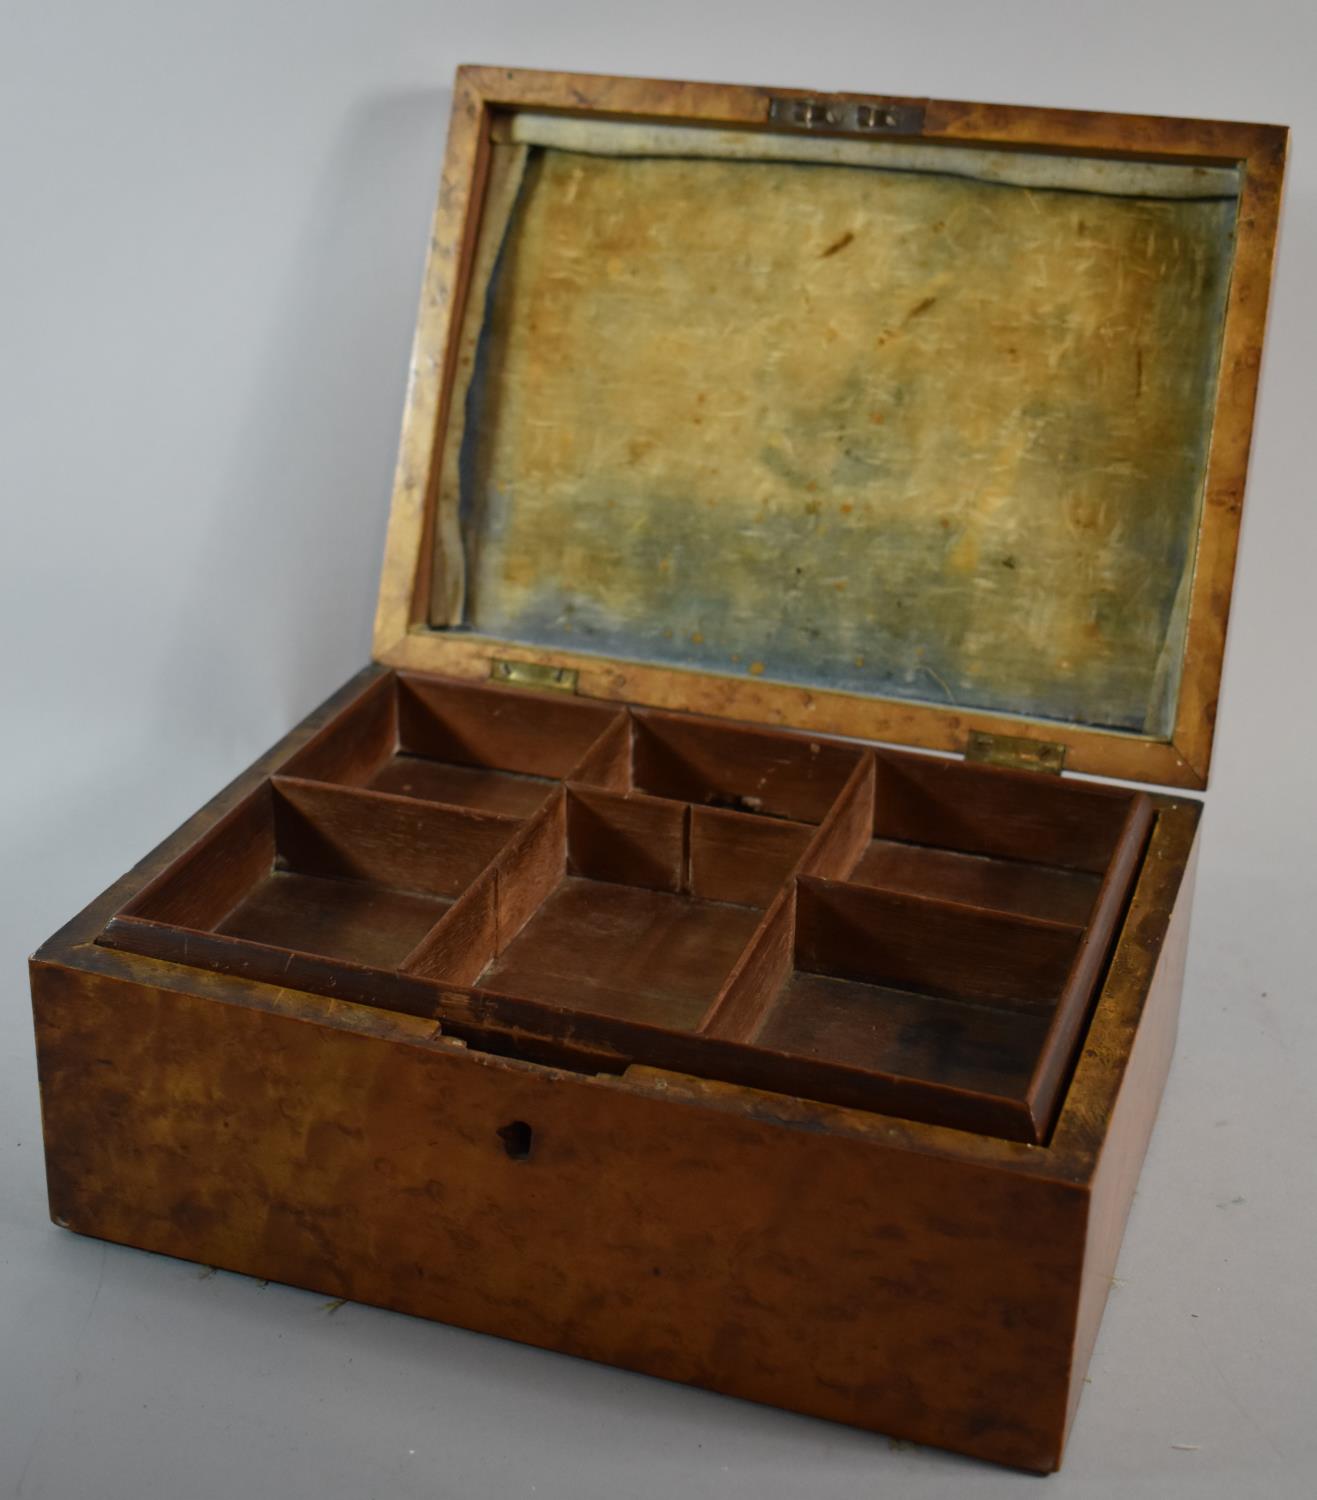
{"x":828,"y":425}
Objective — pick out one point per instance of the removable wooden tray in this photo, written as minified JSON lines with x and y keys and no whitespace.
{"x":863,"y":927}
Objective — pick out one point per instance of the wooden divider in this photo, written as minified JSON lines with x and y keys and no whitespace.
{"x":877,"y":928}
{"x":496,"y":906}
{"x":762,"y":969}
{"x":1057,"y":1054}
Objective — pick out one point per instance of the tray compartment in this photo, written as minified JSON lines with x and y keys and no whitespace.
{"x":498,"y":903}
{"x":946,"y":1010}
{"x":653,"y":908}
{"x":741,"y":858}
{"x":611,"y":925}
{"x":729,"y":766}
{"x":466,"y":745}
{"x":649,"y":955}
{"x":978,"y":880}
{"x":305,"y":868}
{"x":914,"y":989}
{"x":990,"y":838}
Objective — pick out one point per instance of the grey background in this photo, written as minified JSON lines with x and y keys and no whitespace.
{"x":211,"y":232}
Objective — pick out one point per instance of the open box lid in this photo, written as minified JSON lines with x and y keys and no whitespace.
{"x":914,"y":421}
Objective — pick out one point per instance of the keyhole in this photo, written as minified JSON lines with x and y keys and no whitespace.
{"x":517,"y":1138}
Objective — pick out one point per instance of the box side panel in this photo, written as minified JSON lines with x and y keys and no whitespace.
{"x":1151,"y":1042}
{"x":845,"y":1276}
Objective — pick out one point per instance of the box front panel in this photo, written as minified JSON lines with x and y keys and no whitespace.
{"x":832,"y":1272}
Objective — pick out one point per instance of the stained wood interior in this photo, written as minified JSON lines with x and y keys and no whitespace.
{"x":1009,"y":842}
{"x":351,"y":919}
{"x":1010,"y":815}
{"x":626,"y":951}
{"x":324,"y":870}
{"x":655,"y":903}
{"x":976,"y":880}
{"x":883,"y":1028}
{"x":498,"y":904}
{"x":912,"y":993}
{"x":877,"y":928}
{"x":742,"y":769}
{"x":461,"y":744}
{"x":938,"y":948}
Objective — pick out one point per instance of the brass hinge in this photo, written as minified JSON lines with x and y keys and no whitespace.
{"x":848,"y":116}
{"x":1015,"y":752}
{"x":533,"y":674}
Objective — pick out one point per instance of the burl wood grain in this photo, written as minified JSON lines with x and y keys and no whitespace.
{"x":836,"y":1275}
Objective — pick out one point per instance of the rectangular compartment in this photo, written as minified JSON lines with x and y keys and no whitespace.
{"x":465,"y":744}
{"x":918,"y":989}
{"x":301,"y":868}
{"x":755,"y":771}
{"x":628,"y":907}
{"x":1006,"y":841}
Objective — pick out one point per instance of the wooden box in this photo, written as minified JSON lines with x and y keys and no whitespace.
{"x":585,"y":971}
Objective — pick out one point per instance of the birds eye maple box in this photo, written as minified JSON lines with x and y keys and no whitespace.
{"x":610,"y":965}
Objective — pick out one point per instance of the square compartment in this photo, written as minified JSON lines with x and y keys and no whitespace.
{"x":461,"y":744}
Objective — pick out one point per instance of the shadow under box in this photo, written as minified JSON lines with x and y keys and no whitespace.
{"x":875,"y":929}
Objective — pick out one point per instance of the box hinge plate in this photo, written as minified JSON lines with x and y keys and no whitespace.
{"x":533,"y":674}
{"x":1015,"y":752}
{"x":848,"y":116}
